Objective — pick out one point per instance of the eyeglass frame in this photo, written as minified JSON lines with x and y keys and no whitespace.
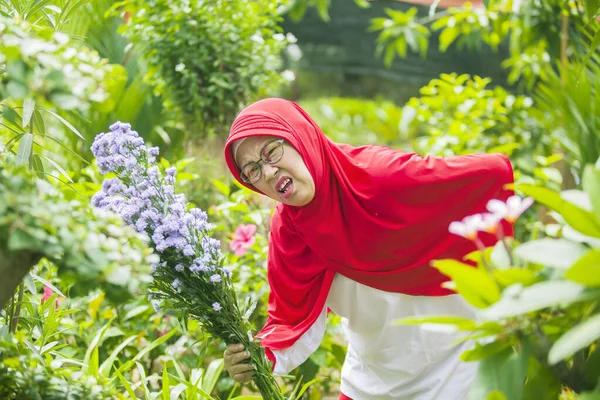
{"x":281,"y":142}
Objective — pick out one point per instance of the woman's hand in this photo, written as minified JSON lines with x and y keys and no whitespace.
{"x":233,"y":357}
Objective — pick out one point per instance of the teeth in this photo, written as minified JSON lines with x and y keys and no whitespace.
{"x":283,"y":184}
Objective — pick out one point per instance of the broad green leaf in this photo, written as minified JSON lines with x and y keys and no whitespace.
{"x":47,"y":283}
{"x":510,"y":276}
{"x":38,"y":166}
{"x":504,"y":372}
{"x":591,"y":184}
{"x":28,"y":107}
{"x":496,"y":395}
{"x":581,"y":220}
{"x":211,"y":376}
{"x":474,"y":284}
{"x":30,"y":284}
{"x":25,"y":147}
{"x":575,"y":339}
{"x":555,"y":253}
{"x":499,"y":256}
{"x":222,"y":187}
{"x":517,"y":300}
{"x":481,"y":352}
{"x":586,"y":270}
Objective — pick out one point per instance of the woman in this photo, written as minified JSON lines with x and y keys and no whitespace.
{"x":354,"y":231}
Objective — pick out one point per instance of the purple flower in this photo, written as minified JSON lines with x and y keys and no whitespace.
{"x":153,"y":151}
{"x":188,"y":251}
{"x":215,"y":278}
{"x":217,"y":307}
{"x":176,"y":285}
{"x":179,"y":268}
{"x":227,"y":270}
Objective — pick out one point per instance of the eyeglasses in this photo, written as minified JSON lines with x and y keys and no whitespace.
{"x":270,"y":154}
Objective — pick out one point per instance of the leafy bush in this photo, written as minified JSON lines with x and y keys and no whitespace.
{"x":356,"y":121}
{"x":538,"y":300}
{"x":209,"y":57}
{"x":25,"y":376}
{"x":459,"y":114}
{"x":91,"y":247}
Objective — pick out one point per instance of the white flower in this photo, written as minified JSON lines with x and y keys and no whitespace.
{"x":294,"y":52}
{"x":512,"y":209}
{"x":180,"y":67}
{"x":288,"y":75}
{"x":291,"y":38}
{"x":489,"y":223}
{"x":468,"y":227}
{"x":280,"y":37}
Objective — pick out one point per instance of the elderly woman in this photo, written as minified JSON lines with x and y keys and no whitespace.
{"x":354,"y":231}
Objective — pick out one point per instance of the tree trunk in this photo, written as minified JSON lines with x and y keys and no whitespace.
{"x":13,"y":268}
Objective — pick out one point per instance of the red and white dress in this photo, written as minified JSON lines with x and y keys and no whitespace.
{"x":385,"y":361}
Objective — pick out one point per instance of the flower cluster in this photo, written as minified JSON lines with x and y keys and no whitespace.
{"x":145,"y":198}
{"x":471,"y":225}
{"x":189,"y":276}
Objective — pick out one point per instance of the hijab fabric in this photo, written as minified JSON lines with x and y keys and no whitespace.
{"x":379,"y":216}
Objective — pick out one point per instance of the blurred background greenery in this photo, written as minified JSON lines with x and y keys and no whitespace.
{"x":517,"y":77}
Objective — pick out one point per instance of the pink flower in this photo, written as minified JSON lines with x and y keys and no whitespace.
{"x":47,"y":294}
{"x":243,"y":239}
{"x":468,"y":227}
{"x":511,"y":210}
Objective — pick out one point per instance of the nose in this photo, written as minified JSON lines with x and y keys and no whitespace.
{"x":269,"y":171}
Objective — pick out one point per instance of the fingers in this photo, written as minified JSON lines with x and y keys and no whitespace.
{"x":243,"y":378}
{"x":234,"y":348}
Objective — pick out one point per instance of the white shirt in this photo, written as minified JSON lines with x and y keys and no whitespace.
{"x":387,"y":362}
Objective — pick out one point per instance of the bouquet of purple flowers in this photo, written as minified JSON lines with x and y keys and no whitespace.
{"x":190,"y":277}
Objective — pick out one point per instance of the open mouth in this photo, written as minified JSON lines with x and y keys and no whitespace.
{"x":285,"y":186}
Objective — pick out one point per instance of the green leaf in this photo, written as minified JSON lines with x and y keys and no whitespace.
{"x":21,"y":240}
{"x":38,"y":166}
{"x":58,"y":167}
{"x":28,"y":108}
{"x":147,"y":349}
{"x":517,"y":300}
{"x":474,"y":284}
{"x":166,"y":385}
{"x":47,"y":283}
{"x":126,"y":385}
{"x":586,"y":270}
{"x":496,"y":395}
{"x":222,"y":187}
{"x":65,"y":122}
{"x":510,"y":276}
{"x":591,"y":184}
{"x":93,"y":346}
{"x":504,"y":372}
{"x":28,"y":280}
{"x":555,"y":253}
{"x":575,"y":339}
{"x":211,"y":375}
{"x":106,"y":366}
{"x":581,"y":220}
{"x":136,"y":311}
{"x":481,"y":352}
{"x":25,"y":148}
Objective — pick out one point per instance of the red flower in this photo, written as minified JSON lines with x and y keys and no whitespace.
{"x":243,"y":239}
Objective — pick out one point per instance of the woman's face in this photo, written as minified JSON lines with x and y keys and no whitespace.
{"x":287,"y":180}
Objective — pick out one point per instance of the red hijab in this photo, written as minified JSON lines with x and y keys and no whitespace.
{"x":379,"y":216}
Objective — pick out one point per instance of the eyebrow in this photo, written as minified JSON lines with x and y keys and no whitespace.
{"x":245,"y":160}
